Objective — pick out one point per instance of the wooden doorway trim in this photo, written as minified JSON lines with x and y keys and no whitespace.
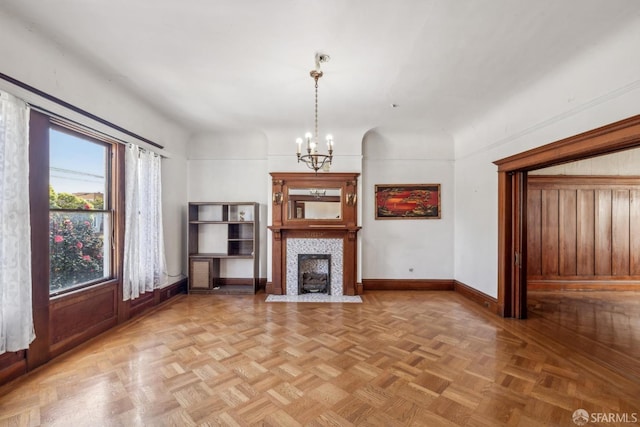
{"x":519,"y":239}
{"x":512,"y":196}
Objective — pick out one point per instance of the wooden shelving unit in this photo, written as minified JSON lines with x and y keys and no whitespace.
{"x":223,"y":247}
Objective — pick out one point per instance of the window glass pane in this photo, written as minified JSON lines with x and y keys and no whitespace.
{"x":79,"y":237}
{"x":77,"y":172}
{"x":79,"y":248}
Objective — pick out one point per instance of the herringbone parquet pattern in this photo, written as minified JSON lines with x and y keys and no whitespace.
{"x":398,"y":359}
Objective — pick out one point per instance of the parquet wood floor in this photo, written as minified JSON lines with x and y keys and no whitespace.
{"x":399,"y":359}
{"x":603,"y":325}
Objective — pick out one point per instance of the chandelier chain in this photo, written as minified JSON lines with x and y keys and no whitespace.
{"x":316,"y":110}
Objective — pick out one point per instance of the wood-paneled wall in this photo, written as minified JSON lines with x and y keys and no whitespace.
{"x":583,"y":232}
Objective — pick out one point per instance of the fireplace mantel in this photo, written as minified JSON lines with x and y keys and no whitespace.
{"x":290,"y":221}
{"x":311,"y":232}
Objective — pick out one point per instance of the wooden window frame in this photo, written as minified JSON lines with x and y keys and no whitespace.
{"x":55,"y":319}
{"x":109,"y":202}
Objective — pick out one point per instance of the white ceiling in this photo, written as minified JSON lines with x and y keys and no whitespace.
{"x":244,"y":64}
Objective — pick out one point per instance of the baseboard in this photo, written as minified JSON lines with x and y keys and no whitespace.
{"x":148,"y":301}
{"x":466,"y":291}
{"x":141,"y":304}
{"x":583,"y":285}
{"x":407,"y":284}
{"x":478,"y":297}
{"x":163,"y":294}
{"x":262,"y":284}
{"x":270,"y":288}
{"x":12,"y":366}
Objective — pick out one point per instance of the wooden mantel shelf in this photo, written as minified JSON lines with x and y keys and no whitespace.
{"x":313,"y":227}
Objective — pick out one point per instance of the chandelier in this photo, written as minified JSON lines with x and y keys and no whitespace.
{"x":313,"y":159}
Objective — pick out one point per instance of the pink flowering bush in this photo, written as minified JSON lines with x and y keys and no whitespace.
{"x":76,"y":249}
{"x":76,"y":242}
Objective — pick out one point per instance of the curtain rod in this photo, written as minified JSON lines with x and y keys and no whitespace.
{"x":143,"y":150}
{"x":75,"y":109}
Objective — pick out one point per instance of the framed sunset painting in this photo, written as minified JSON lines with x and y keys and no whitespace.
{"x":407,"y":201}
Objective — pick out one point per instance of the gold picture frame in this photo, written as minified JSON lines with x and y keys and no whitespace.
{"x":407,"y":201}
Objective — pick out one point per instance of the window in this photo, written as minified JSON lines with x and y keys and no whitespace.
{"x":80,"y":216}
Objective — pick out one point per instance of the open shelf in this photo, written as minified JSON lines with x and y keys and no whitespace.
{"x":220,"y":232}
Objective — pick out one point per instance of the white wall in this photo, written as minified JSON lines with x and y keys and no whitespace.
{"x":596,"y":88}
{"x":391,"y":248}
{"x":174,"y":212}
{"x":42,"y":64}
{"x":621,"y":163}
{"x":282,"y":150}
{"x":235,"y":166}
{"x":231,"y":167}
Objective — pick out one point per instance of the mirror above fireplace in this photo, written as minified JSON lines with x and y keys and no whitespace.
{"x":314,"y":203}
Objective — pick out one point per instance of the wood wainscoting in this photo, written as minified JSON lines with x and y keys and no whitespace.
{"x":96,"y":306}
{"x":583,"y":233}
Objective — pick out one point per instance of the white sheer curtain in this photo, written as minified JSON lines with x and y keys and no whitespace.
{"x":144,"y":258}
{"x":16,"y":316}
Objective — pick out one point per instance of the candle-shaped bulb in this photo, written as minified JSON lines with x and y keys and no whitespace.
{"x":307,"y":137}
{"x":299,"y":143}
{"x":330,"y":142}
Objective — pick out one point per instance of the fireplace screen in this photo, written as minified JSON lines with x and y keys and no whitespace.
{"x":314,"y":273}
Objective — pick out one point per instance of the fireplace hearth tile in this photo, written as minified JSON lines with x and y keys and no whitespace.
{"x":314,"y":298}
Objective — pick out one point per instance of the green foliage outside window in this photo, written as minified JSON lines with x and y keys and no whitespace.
{"x":76,"y":241}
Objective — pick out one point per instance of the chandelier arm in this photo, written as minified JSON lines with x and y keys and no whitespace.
{"x":315,"y":161}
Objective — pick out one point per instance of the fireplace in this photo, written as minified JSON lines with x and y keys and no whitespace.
{"x":314,"y":273}
{"x":332,"y":236}
{"x":319,"y":255}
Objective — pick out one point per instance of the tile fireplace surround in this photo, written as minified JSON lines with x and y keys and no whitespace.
{"x":336,"y":236}
{"x":288,"y":243}
{"x":296,"y":247}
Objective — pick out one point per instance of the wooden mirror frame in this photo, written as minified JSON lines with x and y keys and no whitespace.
{"x":283,"y":181}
